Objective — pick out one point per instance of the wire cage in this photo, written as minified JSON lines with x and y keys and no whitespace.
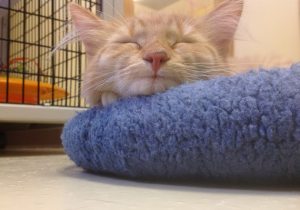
{"x":29,"y":31}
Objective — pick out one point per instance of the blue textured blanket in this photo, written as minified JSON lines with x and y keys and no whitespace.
{"x":245,"y":127}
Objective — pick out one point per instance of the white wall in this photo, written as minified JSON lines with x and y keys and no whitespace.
{"x":269,"y":27}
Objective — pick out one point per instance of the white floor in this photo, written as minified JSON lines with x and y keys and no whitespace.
{"x":47,"y":179}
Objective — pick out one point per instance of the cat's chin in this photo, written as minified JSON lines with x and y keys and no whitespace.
{"x":148,"y":86}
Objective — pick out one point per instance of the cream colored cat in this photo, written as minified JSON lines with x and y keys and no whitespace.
{"x":151,"y":53}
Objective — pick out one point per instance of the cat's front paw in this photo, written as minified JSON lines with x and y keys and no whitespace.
{"x":108,"y":98}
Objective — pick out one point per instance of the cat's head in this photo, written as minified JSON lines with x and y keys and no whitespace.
{"x":152,"y":52}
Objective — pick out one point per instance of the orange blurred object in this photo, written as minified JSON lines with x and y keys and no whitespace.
{"x":30,"y":91}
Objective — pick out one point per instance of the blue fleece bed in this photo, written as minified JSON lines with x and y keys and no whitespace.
{"x":240,"y":128}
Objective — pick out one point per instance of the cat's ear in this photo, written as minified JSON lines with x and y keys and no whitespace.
{"x":221,"y":23}
{"x":91,"y":29}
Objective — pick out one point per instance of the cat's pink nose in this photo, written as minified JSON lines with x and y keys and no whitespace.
{"x":156,"y":58}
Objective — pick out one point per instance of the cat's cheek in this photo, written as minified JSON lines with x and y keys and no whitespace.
{"x":103,"y":59}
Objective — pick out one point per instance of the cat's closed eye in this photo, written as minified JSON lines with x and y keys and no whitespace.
{"x":130,"y":42}
{"x":185,"y":40}
{"x":180,"y":43}
{"x":137,"y":45}
{"x":176,"y":44}
{"x":126,"y":40}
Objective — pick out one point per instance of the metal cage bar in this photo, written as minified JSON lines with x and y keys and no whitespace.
{"x":33,"y":30}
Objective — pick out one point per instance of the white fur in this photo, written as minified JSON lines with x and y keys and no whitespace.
{"x":108,"y":98}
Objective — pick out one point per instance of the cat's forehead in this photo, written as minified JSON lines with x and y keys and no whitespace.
{"x":154,"y":23}
{"x":155,"y":19}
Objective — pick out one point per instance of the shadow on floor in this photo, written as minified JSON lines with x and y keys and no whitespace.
{"x":19,"y":152}
{"x":198,"y":185}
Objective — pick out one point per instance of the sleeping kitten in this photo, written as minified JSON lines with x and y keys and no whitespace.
{"x":151,"y":53}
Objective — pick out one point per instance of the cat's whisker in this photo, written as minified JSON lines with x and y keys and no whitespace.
{"x":188,"y":22}
{"x":181,"y":21}
{"x":199,"y":77}
{"x":214,"y":68}
{"x":194,"y":17}
{"x":218,"y":71}
{"x":121,"y":6}
{"x":104,"y":81}
{"x":230,"y":64}
{"x":65,"y":28}
{"x":128,"y":69}
{"x":180,"y":78}
{"x":100,"y":83}
{"x":69,"y":38}
{"x":119,"y":89}
{"x":193,"y":72}
{"x":117,"y":20}
{"x":205,"y":66}
{"x":236,"y":68}
{"x":117,"y":12}
{"x":91,"y":86}
{"x":98,"y":88}
{"x":102,"y":75}
{"x":90,"y":81}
